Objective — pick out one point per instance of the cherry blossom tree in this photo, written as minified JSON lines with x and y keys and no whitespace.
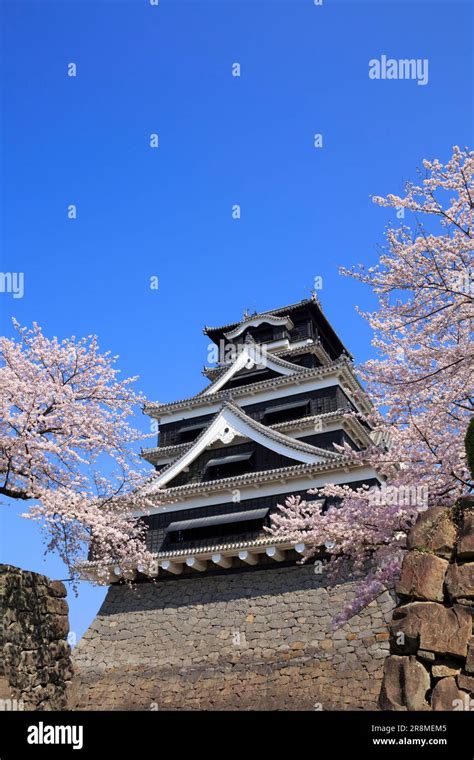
{"x":66,"y":447}
{"x":421,"y":380}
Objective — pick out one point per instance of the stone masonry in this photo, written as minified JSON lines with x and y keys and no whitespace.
{"x":431,"y":666}
{"x":257,"y":639}
{"x":35,"y":662}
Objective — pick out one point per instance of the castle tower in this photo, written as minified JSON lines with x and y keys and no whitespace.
{"x":231,"y":617}
{"x":262,"y":430}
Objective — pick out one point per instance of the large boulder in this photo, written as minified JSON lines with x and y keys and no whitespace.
{"x":466,"y":682}
{"x":422,"y":576}
{"x":465,"y":548}
{"x":434,"y":531}
{"x":441,"y":668}
{"x":430,"y":626}
{"x":405,"y":684}
{"x":447,"y":696}
{"x":460,"y":581}
{"x":470,"y":656}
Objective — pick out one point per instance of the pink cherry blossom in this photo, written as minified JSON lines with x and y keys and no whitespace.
{"x":421,"y":383}
{"x":66,"y":447}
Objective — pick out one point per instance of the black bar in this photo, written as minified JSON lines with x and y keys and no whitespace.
{"x":344,"y":734}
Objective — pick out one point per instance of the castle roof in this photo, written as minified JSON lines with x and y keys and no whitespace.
{"x":226,"y":331}
{"x":311,"y":347}
{"x":251,"y":354}
{"x":347,"y":419}
{"x":231,"y":422}
{"x":343,"y":366}
{"x":280,"y":474}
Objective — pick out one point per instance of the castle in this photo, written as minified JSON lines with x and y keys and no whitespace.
{"x":231,"y":618}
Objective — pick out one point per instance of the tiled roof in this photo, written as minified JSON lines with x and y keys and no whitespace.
{"x":343,"y":364}
{"x":315,"y":347}
{"x":155,"y":452}
{"x":313,"y":301}
{"x":217,"y":548}
{"x":225,"y":484}
{"x":180,"y":555}
{"x":275,"y":435}
{"x":272,"y":435}
{"x":268,"y":360}
{"x":277,"y":428}
{"x":343,"y":414}
{"x":165,"y":451}
{"x":270,"y":312}
{"x":257,"y":319}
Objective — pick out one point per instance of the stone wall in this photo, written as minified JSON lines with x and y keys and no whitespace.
{"x":35,"y":665}
{"x":256,"y":639}
{"x":431,"y":666}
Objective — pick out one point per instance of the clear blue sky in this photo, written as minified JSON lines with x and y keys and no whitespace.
{"x":223,"y":141}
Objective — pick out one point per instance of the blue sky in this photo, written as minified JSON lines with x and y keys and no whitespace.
{"x":167,"y":212}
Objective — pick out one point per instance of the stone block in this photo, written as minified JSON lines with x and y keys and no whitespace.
{"x":446,"y":694}
{"x":444,"y":669}
{"x":405,"y":684}
{"x":430,"y":626}
{"x":57,"y":588}
{"x":465,"y":547}
{"x":466,"y":682}
{"x":460,"y":581}
{"x":434,"y":531}
{"x":470,"y":656}
{"x":422,"y":654}
{"x":422,"y":576}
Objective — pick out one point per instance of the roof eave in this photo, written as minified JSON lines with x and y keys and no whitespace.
{"x":157,"y":410}
{"x":263,"y":476}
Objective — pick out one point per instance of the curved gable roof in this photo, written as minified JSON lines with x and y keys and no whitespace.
{"x":256,"y":320}
{"x":251,"y":355}
{"x":229,"y":422}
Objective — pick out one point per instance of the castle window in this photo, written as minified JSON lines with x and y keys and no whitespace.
{"x":254,"y":376}
{"x":290,"y":411}
{"x":264,"y":336}
{"x":190,"y":432}
{"x":303,"y":329}
{"x":227,"y":467}
{"x":216,"y":525}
